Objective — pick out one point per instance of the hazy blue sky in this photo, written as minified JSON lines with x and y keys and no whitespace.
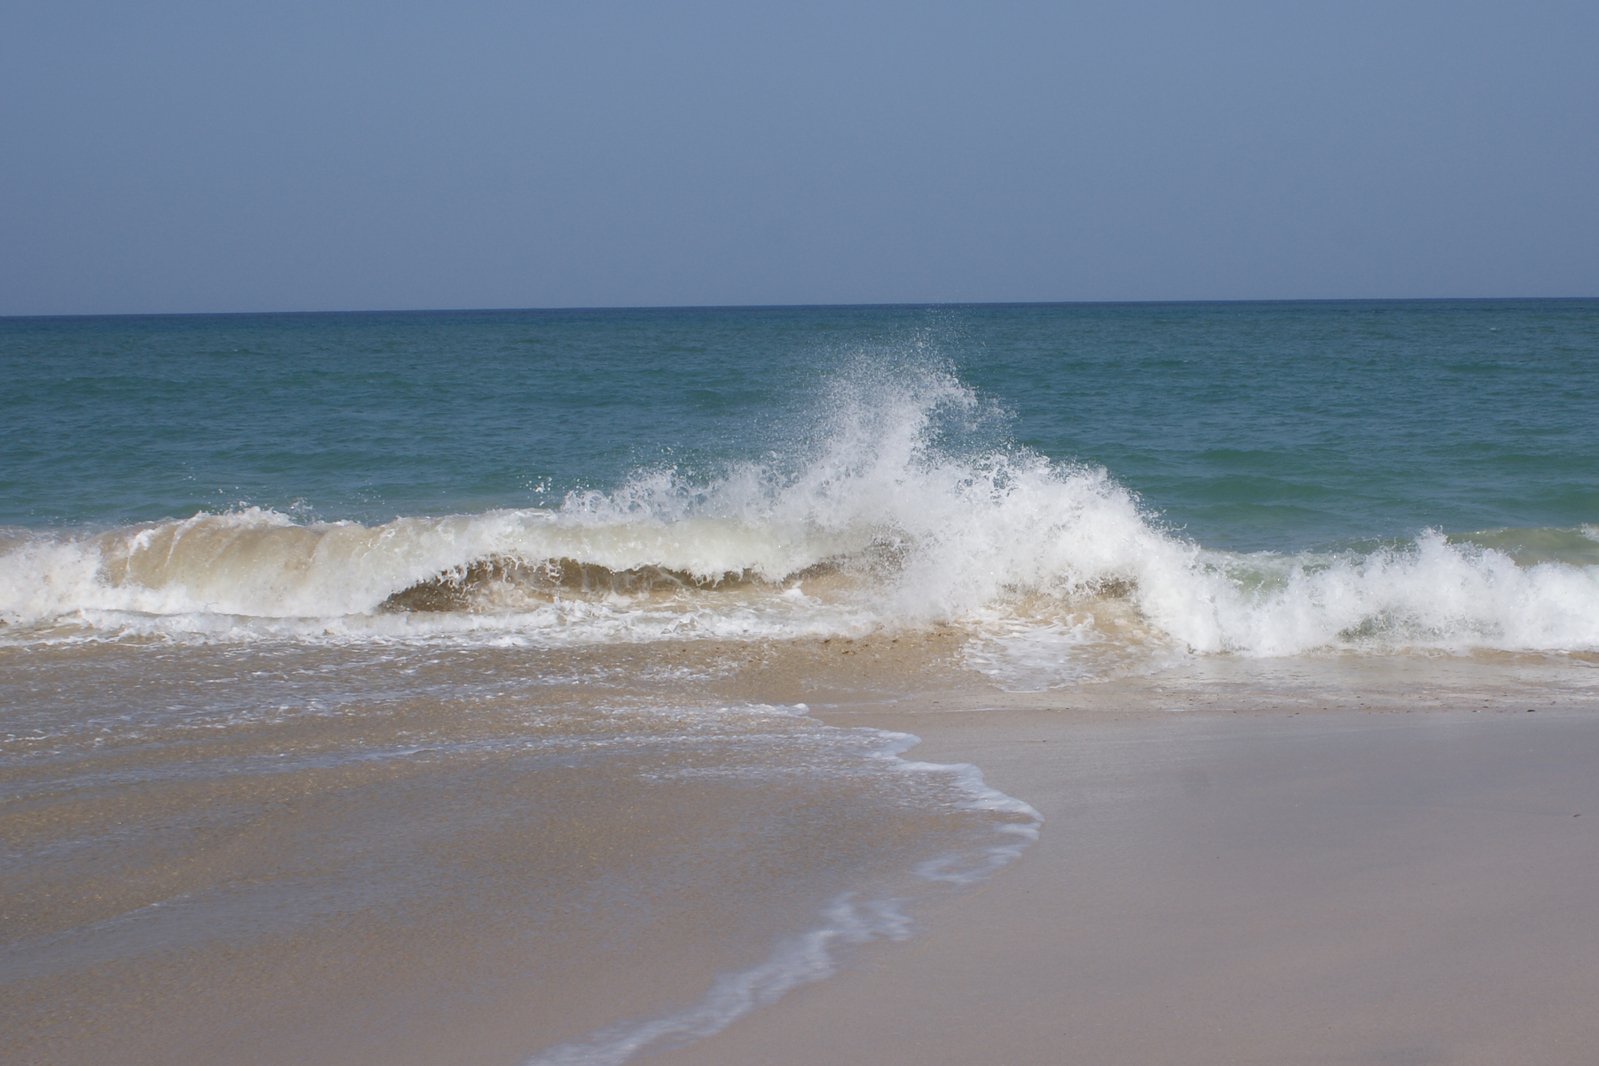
{"x":218,"y":155}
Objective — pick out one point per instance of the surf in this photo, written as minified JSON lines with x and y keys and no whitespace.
{"x":898,"y":501}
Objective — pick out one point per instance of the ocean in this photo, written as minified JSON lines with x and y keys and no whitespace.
{"x":496,"y":659}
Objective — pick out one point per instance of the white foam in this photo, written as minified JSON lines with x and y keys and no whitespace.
{"x":1425,"y":594}
{"x":801,"y":960}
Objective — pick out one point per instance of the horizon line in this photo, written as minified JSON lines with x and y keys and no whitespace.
{"x":863,"y":305}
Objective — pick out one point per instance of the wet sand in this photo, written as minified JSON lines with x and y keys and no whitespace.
{"x":1312,"y":861}
{"x":1400,"y":866}
{"x":299,"y":854}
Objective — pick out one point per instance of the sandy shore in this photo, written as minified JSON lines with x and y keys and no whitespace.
{"x":1313,"y":861}
{"x":1399,"y":870}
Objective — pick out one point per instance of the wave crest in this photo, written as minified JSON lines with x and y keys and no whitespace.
{"x":901,"y":504}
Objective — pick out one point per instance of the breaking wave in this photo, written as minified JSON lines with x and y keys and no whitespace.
{"x":902,"y":506}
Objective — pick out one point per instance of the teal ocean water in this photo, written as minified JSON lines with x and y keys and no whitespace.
{"x":1275,"y":426}
{"x":1257,"y":478}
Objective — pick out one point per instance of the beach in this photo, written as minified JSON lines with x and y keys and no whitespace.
{"x":969,"y":683}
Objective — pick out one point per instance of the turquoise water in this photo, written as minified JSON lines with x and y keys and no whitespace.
{"x":958,"y":456}
{"x":1249,"y":425}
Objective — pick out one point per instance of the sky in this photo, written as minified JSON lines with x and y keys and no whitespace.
{"x":179,"y":155}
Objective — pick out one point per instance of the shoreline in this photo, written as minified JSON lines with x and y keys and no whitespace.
{"x":1219,"y":828}
{"x":1391,"y":871}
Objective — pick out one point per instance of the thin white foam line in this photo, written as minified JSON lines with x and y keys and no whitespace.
{"x":797,"y":961}
{"x":811,"y":956}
